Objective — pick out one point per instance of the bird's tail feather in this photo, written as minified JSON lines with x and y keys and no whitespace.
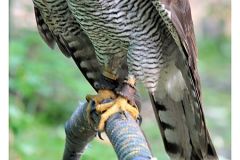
{"x":181,"y":141}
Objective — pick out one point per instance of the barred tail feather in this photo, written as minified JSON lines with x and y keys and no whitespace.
{"x":177,"y":137}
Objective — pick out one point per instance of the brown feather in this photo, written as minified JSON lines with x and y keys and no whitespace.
{"x":181,"y":22}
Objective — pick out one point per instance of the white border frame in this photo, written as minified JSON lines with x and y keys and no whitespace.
{"x":4,"y":81}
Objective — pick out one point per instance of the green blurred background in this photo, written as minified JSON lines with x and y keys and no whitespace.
{"x":45,"y":87}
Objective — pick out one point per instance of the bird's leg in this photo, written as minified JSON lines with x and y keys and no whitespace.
{"x":124,"y":102}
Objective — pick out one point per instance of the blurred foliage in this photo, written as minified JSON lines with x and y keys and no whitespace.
{"x":42,"y":81}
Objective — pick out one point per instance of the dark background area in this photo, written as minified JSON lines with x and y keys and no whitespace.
{"x":45,"y":87}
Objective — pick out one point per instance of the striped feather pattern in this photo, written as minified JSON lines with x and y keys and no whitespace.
{"x":56,"y":24}
{"x":120,"y":30}
{"x":149,"y":39}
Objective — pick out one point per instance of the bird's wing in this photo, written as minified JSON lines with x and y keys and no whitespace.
{"x":181,"y":19}
{"x":179,"y":114}
{"x":68,"y":35}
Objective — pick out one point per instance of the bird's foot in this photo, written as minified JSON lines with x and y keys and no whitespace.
{"x":125,"y":102}
{"x":97,"y":99}
{"x":120,"y":104}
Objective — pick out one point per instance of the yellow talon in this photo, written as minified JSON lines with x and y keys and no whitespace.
{"x":103,"y":107}
{"x":102,"y":95}
{"x":119,"y":105}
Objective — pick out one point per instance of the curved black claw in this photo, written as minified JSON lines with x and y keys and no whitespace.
{"x":99,"y":135}
{"x":139,"y":120}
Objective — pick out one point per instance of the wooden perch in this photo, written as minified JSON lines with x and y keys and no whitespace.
{"x":124,"y":133}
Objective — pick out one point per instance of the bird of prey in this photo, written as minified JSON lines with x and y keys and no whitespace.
{"x":118,"y":42}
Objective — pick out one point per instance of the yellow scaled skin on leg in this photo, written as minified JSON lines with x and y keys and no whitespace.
{"x":119,"y":105}
{"x":102,"y":95}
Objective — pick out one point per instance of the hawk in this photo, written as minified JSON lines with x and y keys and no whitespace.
{"x":118,"y":42}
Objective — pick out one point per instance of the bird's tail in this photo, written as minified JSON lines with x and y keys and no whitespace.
{"x":182,"y":137}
